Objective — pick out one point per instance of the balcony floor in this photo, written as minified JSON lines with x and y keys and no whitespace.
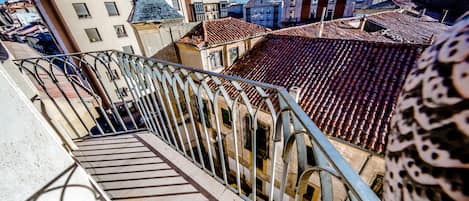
{"x":142,"y":167}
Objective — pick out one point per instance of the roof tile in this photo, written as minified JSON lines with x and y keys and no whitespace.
{"x":349,"y":87}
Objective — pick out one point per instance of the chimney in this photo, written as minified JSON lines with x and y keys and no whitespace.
{"x":295,"y":93}
{"x":321,"y":25}
{"x":362,"y":23}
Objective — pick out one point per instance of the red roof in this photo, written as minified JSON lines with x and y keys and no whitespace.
{"x":349,"y":87}
{"x":219,"y":31}
{"x":401,"y":26}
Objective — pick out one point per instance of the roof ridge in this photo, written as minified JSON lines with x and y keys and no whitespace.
{"x":383,"y":43}
{"x":336,"y":20}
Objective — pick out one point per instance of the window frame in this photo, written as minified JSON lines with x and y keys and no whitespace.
{"x":131,"y":48}
{"x":379,"y":192}
{"x":230,"y":54}
{"x":99,"y":38}
{"x":85,"y":7}
{"x":123,"y":28}
{"x":212,"y":57}
{"x":229,"y":121}
{"x":115,"y":6}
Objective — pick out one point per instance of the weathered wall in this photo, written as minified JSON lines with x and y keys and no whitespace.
{"x":31,"y":152}
{"x":153,"y":37}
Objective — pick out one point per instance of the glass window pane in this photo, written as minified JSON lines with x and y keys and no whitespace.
{"x":93,"y":35}
{"x":81,"y":10}
{"x":233,"y":54}
{"x":226,"y":115}
{"x":120,"y":31}
{"x":128,"y":49}
{"x":111,"y":8}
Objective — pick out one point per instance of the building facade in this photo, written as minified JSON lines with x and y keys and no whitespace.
{"x":216,"y":44}
{"x":267,"y":13}
{"x":200,"y":10}
{"x":86,"y":25}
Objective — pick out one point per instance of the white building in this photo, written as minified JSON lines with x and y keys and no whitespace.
{"x":267,"y":13}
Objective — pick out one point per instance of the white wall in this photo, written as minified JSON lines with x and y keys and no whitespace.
{"x":101,"y":20}
{"x":31,"y":152}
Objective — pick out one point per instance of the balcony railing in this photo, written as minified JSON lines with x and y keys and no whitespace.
{"x":252,"y":137}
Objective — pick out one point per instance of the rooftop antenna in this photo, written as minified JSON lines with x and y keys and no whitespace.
{"x":422,"y":12}
{"x":321,"y":25}
{"x":445,"y":12}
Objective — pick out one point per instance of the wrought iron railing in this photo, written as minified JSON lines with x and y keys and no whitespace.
{"x":252,"y":137}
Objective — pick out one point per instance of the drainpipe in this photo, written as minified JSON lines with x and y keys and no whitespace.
{"x":362,"y":23}
{"x":321,"y":26}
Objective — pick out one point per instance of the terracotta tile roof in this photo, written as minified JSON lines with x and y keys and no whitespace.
{"x":214,"y":32}
{"x":401,"y":26}
{"x":349,"y":87}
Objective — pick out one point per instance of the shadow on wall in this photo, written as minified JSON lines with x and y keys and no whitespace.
{"x":59,"y":189}
{"x":168,"y":53}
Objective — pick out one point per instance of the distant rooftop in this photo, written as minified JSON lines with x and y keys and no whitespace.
{"x":399,"y":26}
{"x":219,"y":31}
{"x":251,"y":3}
{"x":349,"y":87}
{"x":153,"y":11}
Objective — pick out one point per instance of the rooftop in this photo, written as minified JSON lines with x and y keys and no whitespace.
{"x":251,"y":3}
{"x":349,"y":87}
{"x":153,"y":11}
{"x":399,"y":26}
{"x":219,"y":31}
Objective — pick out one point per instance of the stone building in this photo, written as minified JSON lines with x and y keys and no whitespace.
{"x":199,"y":10}
{"x":216,"y":44}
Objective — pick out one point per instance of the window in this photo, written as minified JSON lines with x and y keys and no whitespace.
{"x":247,"y":133}
{"x":205,"y":111}
{"x":128,"y":49}
{"x":308,"y":196}
{"x":226,"y":116}
{"x":330,"y":14}
{"x":113,"y":75}
{"x":122,"y":92}
{"x":233,"y":54}
{"x":377,"y":185}
{"x":120,"y":31}
{"x":260,"y":163}
{"x":93,"y":35}
{"x":216,"y":60}
{"x":292,"y":14}
{"x":248,"y":14}
{"x":111,"y":8}
{"x":176,"y":4}
{"x":261,"y":137}
{"x":81,"y":10}
{"x":259,"y":185}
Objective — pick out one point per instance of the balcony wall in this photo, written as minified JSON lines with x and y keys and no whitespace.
{"x":34,"y":163}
